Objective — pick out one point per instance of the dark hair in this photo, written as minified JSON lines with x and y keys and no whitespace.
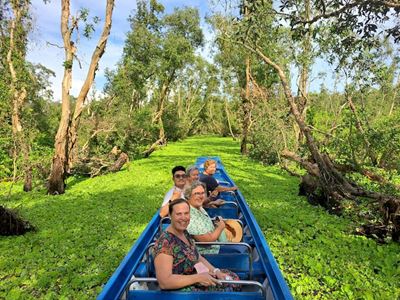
{"x":178,"y":168}
{"x":175,"y":202}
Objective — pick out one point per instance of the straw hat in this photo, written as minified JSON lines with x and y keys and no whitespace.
{"x":233,"y":231}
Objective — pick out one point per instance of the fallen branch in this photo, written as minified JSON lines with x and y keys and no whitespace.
{"x":310,"y":186}
{"x":159,"y":143}
{"x":311,"y":168}
{"x":291,"y":172}
{"x":122,"y":159}
{"x":367,"y":173}
{"x":95,"y":166}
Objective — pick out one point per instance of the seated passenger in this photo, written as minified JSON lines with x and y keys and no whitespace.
{"x":177,"y":262}
{"x":212,"y":186}
{"x":179,"y":178}
{"x":192,"y":174}
{"x":201,"y":227}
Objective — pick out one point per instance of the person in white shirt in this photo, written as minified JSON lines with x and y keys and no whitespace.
{"x":176,"y":192}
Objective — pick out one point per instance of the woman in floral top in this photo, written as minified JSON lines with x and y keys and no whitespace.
{"x":176,"y":257}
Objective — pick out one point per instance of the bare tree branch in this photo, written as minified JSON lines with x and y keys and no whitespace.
{"x":344,"y":8}
{"x":55,"y":45}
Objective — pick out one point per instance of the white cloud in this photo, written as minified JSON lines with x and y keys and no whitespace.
{"x":47,"y":30}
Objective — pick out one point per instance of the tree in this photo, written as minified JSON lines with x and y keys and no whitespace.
{"x":246,"y":68}
{"x":350,"y":15}
{"x":65,"y":141}
{"x":157,"y":48}
{"x":334,"y":185}
{"x":195,"y":85}
{"x":16,"y":91}
{"x":236,"y":61}
{"x":19,"y":26}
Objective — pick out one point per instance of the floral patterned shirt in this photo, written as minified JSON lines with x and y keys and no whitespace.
{"x":184,"y":256}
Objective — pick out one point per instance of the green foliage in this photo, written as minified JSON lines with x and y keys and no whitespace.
{"x":272,"y":132}
{"x":89,"y":26}
{"x":370,"y":65}
{"x":231,"y":55}
{"x":36,"y":112}
{"x":131,"y":132}
{"x":173,"y":125}
{"x":157,"y":46}
{"x":345,"y":30}
{"x":84,"y":234}
{"x":68,"y":64}
{"x":5,"y":131}
{"x":158,"y":50}
{"x":330,"y":114}
{"x":6,"y":161}
{"x":39,"y":117}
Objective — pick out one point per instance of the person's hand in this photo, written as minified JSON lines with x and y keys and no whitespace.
{"x":222,"y":276}
{"x":220,"y":223}
{"x":234,"y":188}
{"x":217,"y":202}
{"x":176,"y":195}
{"x":214,"y":193}
{"x":206,"y":279}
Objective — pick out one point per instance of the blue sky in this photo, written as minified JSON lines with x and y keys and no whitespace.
{"x":47,"y":29}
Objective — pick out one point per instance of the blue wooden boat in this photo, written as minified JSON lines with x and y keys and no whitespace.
{"x":260,"y":277}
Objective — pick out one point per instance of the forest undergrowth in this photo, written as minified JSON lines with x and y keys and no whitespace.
{"x":83,"y":235}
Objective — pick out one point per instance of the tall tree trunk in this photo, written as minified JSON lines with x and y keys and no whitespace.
{"x":93,"y":67}
{"x":228,"y":119}
{"x":302,"y":93}
{"x":66,"y":137}
{"x":180,"y":104}
{"x":59,"y":166}
{"x":18,"y":91}
{"x":161,"y":107}
{"x":333,"y":183}
{"x":160,"y":111}
{"x":158,"y":116}
{"x":246,"y":111}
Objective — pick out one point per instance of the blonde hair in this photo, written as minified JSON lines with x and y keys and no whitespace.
{"x":208,"y":163}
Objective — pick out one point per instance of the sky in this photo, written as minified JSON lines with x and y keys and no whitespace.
{"x":47,"y":30}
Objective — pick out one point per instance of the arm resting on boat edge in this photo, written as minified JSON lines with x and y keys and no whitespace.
{"x":221,"y":188}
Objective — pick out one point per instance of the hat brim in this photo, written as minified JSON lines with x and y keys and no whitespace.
{"x":233,"y":231}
